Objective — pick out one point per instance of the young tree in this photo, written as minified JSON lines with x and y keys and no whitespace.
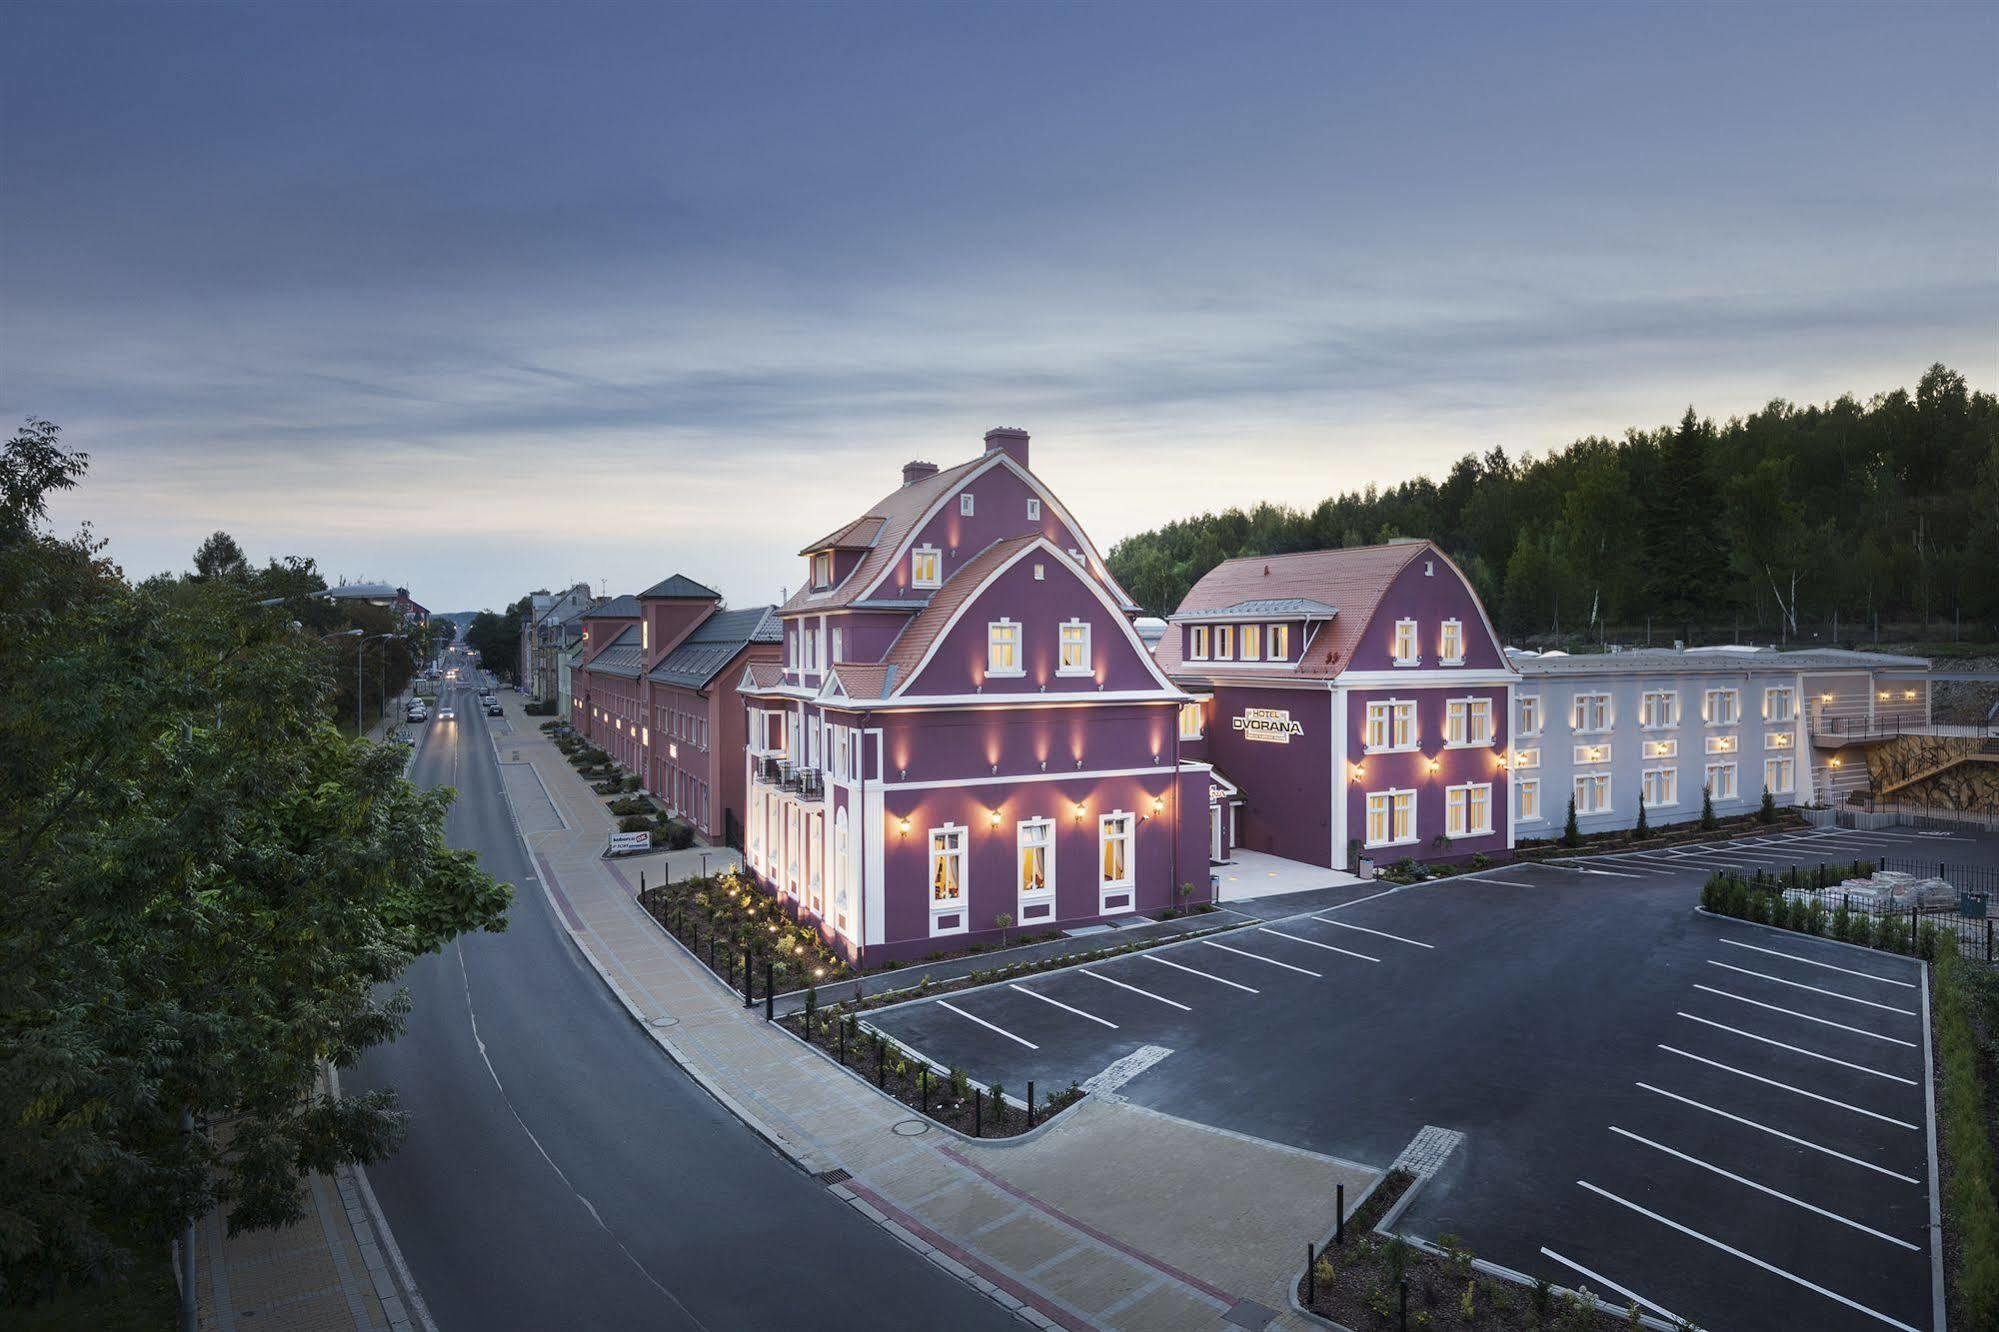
{"x":1708,"y":821}
{"x":1571,"y":834}
{"x":1767,"y":812}
{"x":221,"y":557}
{"x":1642,"y":830}
{"x":206,"y":889}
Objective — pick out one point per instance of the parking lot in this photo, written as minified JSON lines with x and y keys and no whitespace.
{"x":1726,"y":1123}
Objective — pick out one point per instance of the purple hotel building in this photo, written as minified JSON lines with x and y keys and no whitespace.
{"x":965,"y":726}
{"x":1354,"y":705}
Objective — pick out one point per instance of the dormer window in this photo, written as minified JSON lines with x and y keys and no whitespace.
{"x":645,"y":635}
{"x":1224,"y":642}
{"x":1252,"y":642}
{"x":965,"y":504}
{"x":1033,"y":510}
{"x":1003,"y":648}
{"x":1075,"y":648}
{"x":1406,"y":651}
{"x":1197,"y":642}
{"x":926,"y":567}
{"x":822,"y":569}
{"x":1280,"y":642}
{"x":1451,"y":643}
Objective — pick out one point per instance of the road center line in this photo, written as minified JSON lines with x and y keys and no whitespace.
{"x":1294,"y":938}
{"x":1792,"y":1012}
{"x":944,"y":1003}
{"x":1810,"y":962}
{"x":1192,"y":971}
{"x":1800,"y":985}
{"x":1261,"y":958}
{"x":1382,"y":933}
{"x":1799,"y":1049}
{"x":1175,"y":1003}
{"x":1772,"y":1082}
{"x":1771,"y":1268}
{"x":1606,"y":1282}
{"x":1032,"y":994}
{"x":1779,"y":1133}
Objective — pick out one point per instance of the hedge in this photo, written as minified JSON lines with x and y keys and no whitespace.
{"x":1970,"y":1205}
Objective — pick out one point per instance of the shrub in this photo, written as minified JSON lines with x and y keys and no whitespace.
{"x":1767,"y":811}
{"x":676,"y":834}
{"x":634,"y":823}
{"x":1643,"y":829}
{"x":545,"y":709}
{"x":1970,"y":1203}
{"x":630,"y":784}
{"x":1708,"y":820}
{"x":1571,"y":834}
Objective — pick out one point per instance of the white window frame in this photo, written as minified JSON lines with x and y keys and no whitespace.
{"x":1710,"y":706}
{"x":1458,"y":810}
{"x":1660,"y":787}
{"x":1780,"y":740}
{"x":1393,"y":802}
{"x":1118,"y":826}
{"x":1197,"y":642}
{"x":1045,"y":829}
{"x":1663,"y":716}
{"x":1407,"y":645}
{"x":1224,"y":646}
{"x":1249,"y":642}
{"x":997,"y":639}
{"x":1451,"y":643}
{"x":1589,"y":756}
{"x":1785,"y":695}
{"x":1713,"y":786}
{"x":1531,"y":718}
{"x":1033,"y":509}
{"x":1085,"y":666}
{"x":1582,"y":705}
{"x":838,"y":654}
{"x":842,"y":874}
{"x":1525,"y":760}
{"x":1395,"y":718}
{"x":1468,"y":723}
{"x":1195,"y":713}
{"x":1595,"y":784}
{"x":966,"y":505}
{"x":926,"y":555}
{"x":1788,"y":767}
{"x":1279,"y":647}
{"x":1527,"y":799}
{"x":822,"y":569}
{"x":1722,"y":744}
{"x":1660,"y":749}
{"x":962,"y":902}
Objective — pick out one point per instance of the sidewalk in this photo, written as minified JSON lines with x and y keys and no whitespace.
{"x":1113,"y":1216}
{"x":329,"y":1273}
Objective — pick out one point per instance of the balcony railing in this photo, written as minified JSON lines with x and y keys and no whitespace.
{"x":1859,"y":730}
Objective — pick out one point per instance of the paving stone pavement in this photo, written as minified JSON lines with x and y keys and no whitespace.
{"x":1113,"y":1216}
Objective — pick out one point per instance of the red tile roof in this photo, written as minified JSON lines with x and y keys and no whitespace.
{"x":1353,"y":579}
{"x":856,"y":535}
{"x":765,"y":674}
{"x":898,"y":513}
{"x":864,"y":682}
{"x":914,"y":642}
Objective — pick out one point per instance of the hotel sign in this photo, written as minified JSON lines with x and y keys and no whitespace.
{"x":1271,"y":725}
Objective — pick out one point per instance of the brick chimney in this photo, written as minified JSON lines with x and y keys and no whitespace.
{"x":1010,"y":440}
{"x":915,"y":471}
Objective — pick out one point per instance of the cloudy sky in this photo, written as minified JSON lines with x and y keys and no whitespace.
{"x":479,"y":298}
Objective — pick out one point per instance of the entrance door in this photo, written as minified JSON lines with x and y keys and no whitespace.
{"x":1218,"y":814}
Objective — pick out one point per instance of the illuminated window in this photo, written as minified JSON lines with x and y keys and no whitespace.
{"x":947,"y":867}
{"x":1590,"y":712}
{"x":1451,"y":643}
{"x":1003,"y":648}
{"x":1527,"y":800}
{"x":1780,"y":705}
{"x":1391,"y":726}
{"x":1660,"y":787}
{"x":1780,"y":775}
{"x":822,"y":569}
{"x":1190,"y":721}
{"x":1591,"y":754}
{"x":1075,"y":649}
{"x":1592,"y":793}
{"x":1526,"y":758}
{"x":1406,"y":651}
{"x":1721,"y":781}
{"x":1659,"y":709}
{"x":1467,"y":810}
{"x":1035,"y":840}
{"x":926,"y":566}
{"x":1780,"y":740}
{"x":1661,"y":749}
{"x":1224,"y":642}
{"x":1530,"y":714}
{"x":1468,"y":721}
{"x":1391,"y":817}
{"x":1251,"y":644}
{"x":1721,"y":707}
{"x":1280,"y":642}
{"x":1197,"y":642}
{"x":1721,"y":744}
{"x":1114,"y":857}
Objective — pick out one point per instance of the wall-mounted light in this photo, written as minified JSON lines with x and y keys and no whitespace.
{"x":1833,"y":762}
{"x":1825,"y":698}
{"x":1158,"y":804}
{"x":1883,"y":696}
{"x":903,"y":825}
{"x":1434,"y":764}
{"x":993,"y":817}
{"x":1079,"y":811}
{"x":1906,"y":693}
{"x":1500,"y":759}
{"x":1359,"y":772}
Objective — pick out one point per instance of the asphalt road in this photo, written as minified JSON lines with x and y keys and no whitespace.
{"x":561,"y":1171}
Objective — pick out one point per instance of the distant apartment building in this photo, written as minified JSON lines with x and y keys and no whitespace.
{"x":654,"y":684}
{"x":384,"y":595}
{"x":551,"y":627}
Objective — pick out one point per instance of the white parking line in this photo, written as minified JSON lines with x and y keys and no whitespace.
{"x":1365,"y":930}
{"x":1800,"y":985}
{"x":1341,"y":906}
{"x":1615,"y":874}
{"x":1135,"y":990}
{"x":1792,"y":1012}
{"x":1779,"y":1133}
{"x":943,"y":1003}
{"x":1771,"y":1268}
{"x":1059,"y":1004}
{"x":1264,"y":929}
{"x":1811,"y":962}
{"x":1799,"y":1049}
{"x":1606,"y":1282}
{"x":1480,"y":878}
{"x":1168,"y":962}
{"x":1261,"y":958}
{"x":1772,"y":1082}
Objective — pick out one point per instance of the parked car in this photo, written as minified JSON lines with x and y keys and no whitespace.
{"x":493,"y":708}
{"x":416,"y":713}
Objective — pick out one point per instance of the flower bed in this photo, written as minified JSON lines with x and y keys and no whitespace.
{"x":949,"y":1098}
{"x":722,"y":919}
{"x":1675,"y":834}
{"x":1363,"y":1284}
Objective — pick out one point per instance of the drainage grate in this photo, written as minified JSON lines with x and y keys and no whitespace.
{"x":833,"y":1176}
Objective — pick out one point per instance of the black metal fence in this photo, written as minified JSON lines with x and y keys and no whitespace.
{"x":1967,"y":915}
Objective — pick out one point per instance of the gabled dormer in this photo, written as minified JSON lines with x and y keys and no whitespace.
{"x":669,"y":611}
{"x":604,"y":623}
